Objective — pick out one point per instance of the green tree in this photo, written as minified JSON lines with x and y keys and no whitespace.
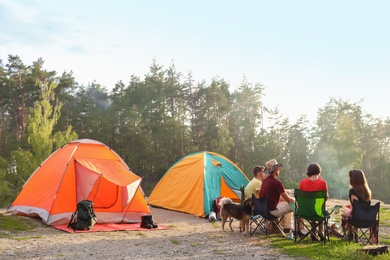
{"x":211,"y":107}
{"x":245,"y":121}
{"x":89,"y":112}
{"x":298,"y":150}
{"x":339,"y":148}
{"x":5,"y":191}
{"x":376,"y":159}
{"x":41,"y":121}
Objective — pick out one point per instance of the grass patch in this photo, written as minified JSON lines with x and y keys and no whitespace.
{"x":215,"y":236}
{"x":14,"y":224}
{"x":335,"y":249}
{"x":25,"y":238}
{"x":11,"y":225}
{"x":218,"y":252}
{"x":384,"y":217}
{"x":385,"y":240}
{"x":216,"y":225}
{"x":141,"y":234}
{"x":175,"y":242}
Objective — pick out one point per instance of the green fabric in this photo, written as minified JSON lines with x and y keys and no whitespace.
{"x":310,"y":205}
{"x":232,"y":175}
{"x":292,"y":206}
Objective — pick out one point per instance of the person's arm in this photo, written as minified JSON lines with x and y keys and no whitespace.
{"x":352,"y":198}
{"x":287,"y":198}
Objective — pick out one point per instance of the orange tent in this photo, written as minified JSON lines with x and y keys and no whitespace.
{"x":193,"y":183}
{"x":82,"y":169}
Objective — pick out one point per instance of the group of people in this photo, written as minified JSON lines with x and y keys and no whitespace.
{"x":266,"y":183}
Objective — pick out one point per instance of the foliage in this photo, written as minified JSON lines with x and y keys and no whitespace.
{"x":5,"y":191}
{"x":153,"y":121}
{"x":38,"y":141}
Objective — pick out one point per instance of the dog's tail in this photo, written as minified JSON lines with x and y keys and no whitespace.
{"x":224,"y":201}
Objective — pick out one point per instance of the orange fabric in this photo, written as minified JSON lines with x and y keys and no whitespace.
{"x":193,"y":182}
{"x":182,"y":194}
{"x":52,"y":188}
{"x":112,"y":170}
{"x":227,"y":192}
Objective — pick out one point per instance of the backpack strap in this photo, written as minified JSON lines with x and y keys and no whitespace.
{"x":72,"y":218}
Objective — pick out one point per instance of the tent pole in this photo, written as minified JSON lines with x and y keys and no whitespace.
{"x":62,"y":178}
{"x":128,"y":204}
{"x":97,"y":189}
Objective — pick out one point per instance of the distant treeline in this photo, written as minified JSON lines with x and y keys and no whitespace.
{"x":154,"y":120}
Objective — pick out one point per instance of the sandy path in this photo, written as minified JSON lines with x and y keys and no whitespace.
{"x":188,"y":237}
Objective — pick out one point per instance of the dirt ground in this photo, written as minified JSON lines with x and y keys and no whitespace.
{"x":188,"y":237}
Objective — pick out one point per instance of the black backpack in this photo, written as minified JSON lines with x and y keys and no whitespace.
{"x":84,"y":217}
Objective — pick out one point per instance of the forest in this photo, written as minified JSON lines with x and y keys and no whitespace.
{"x":155,"y":119}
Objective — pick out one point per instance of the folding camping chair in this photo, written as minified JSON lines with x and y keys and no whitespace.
{"x":364,"y":222}
{"x":310,"y":206}
{"x":262,"y":219}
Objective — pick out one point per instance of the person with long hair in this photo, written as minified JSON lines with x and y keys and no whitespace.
{"x":361,"y":192}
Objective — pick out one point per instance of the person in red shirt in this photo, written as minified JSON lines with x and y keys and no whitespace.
{"x":278,"y":199}
{"x":313,"y":182}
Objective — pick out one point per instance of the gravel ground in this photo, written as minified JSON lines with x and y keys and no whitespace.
{"x":188,"y":237}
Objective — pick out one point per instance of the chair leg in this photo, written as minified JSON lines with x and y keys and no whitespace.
{"x":276,"y":225}
{"x":316,"y":230}
{"x":259,"y":224}
{"x":360,"y":235}
{"x":318,"y":233}
{"x":348,"y":232}
{"x":270,"y":227}
{"x":267,"y":227}
{"x":297,"y":229}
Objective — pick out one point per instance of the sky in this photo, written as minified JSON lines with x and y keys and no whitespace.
{"x":302,"y":52}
